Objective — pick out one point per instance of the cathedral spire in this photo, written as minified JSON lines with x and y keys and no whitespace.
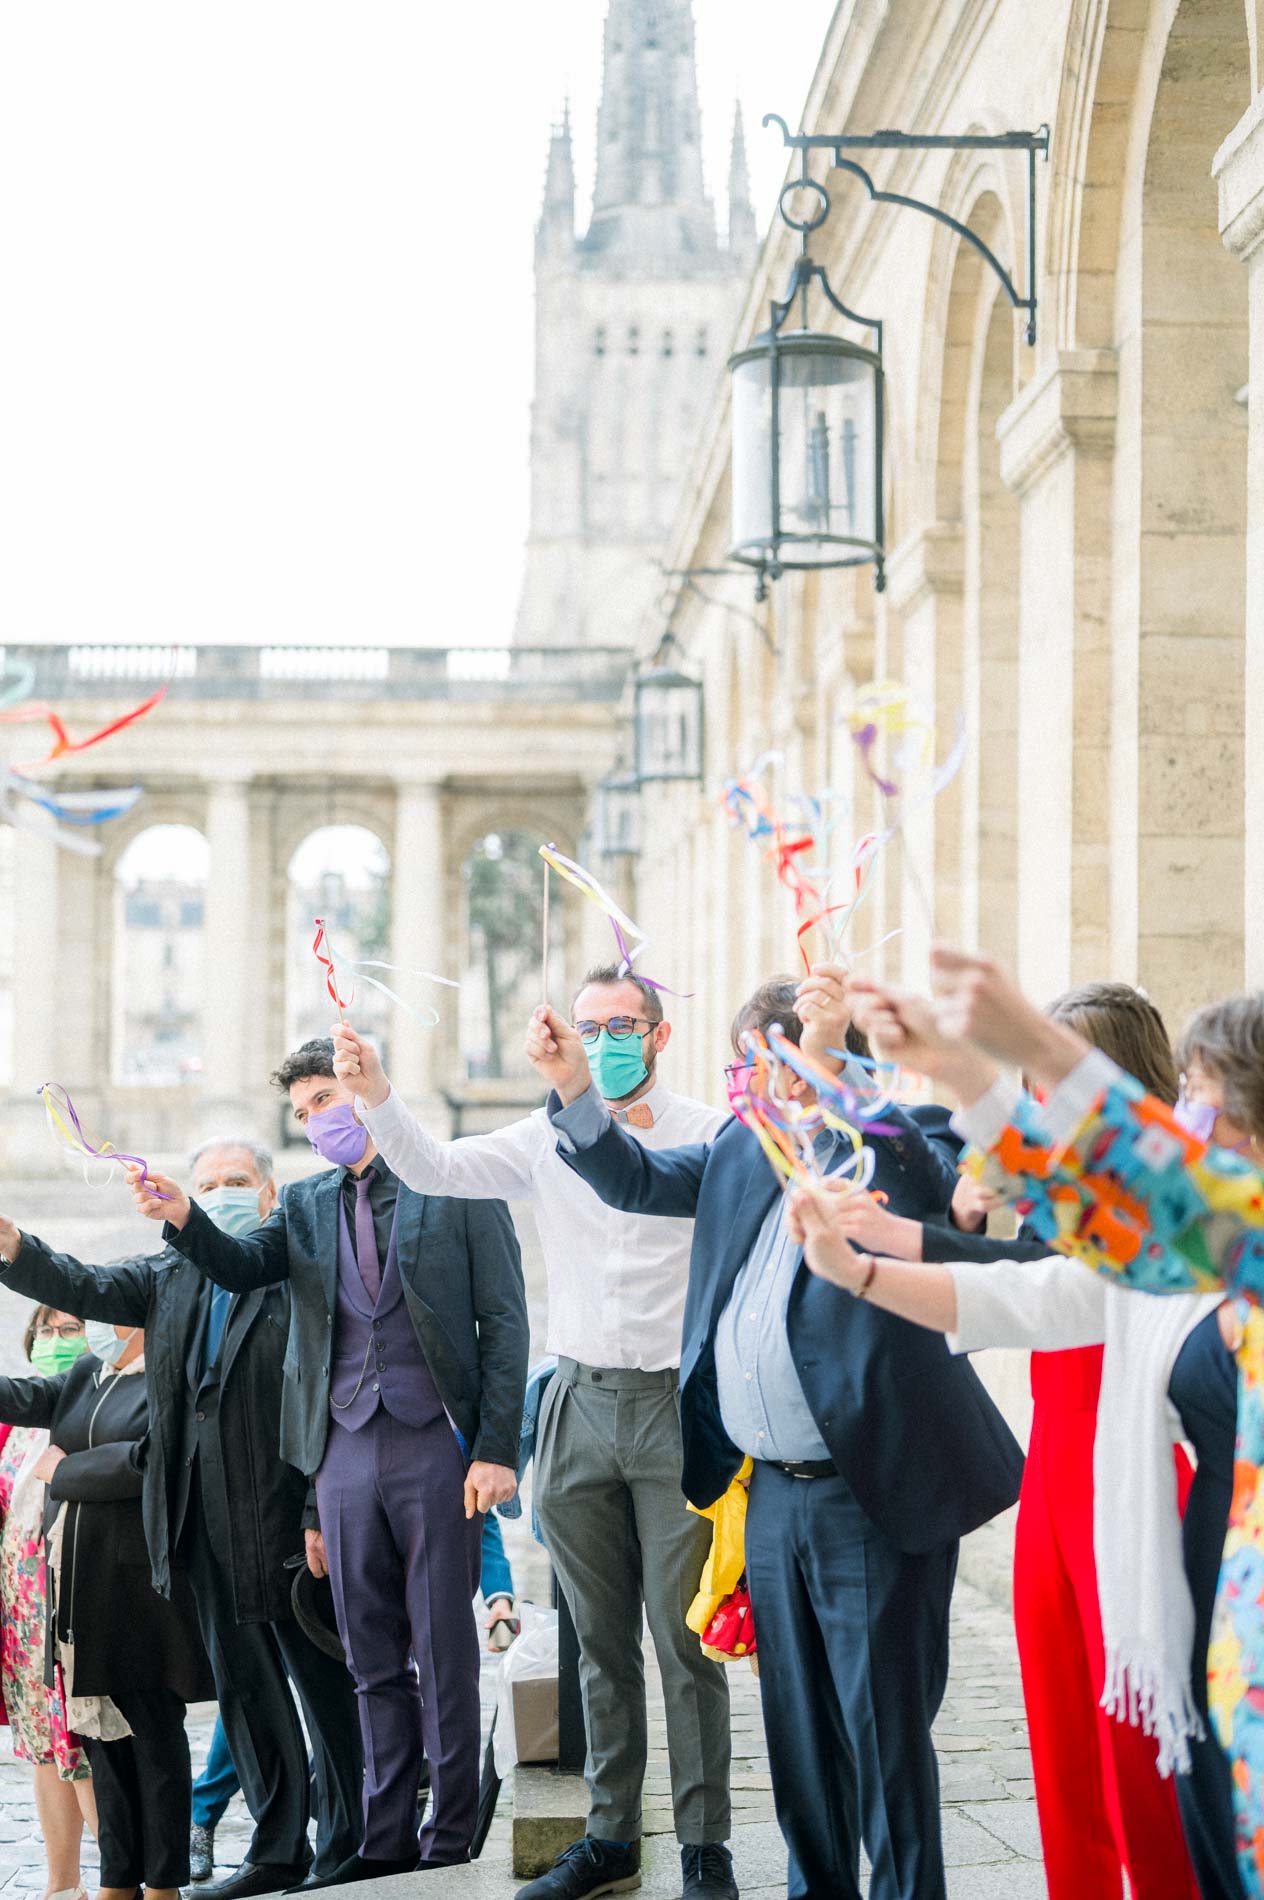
{"x":743,"y":237}
{"x":555,"y":233}
{"x":649,"y":197}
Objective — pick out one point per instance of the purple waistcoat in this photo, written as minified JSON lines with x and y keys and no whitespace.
{"x":396,"y":1374}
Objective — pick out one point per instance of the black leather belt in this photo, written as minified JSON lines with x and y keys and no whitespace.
{"x":805,"y":1467}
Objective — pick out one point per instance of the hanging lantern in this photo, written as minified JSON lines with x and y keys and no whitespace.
{"x":616,"y":825}
{"x":807,"y":452}
{"x":668,"y":726}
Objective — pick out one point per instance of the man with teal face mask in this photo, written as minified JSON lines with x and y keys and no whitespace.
{"x":220,"y":1503}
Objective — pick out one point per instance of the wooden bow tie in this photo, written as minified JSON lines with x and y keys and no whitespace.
{"x":640,"y":1115}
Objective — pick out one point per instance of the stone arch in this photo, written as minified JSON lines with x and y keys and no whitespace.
{"x":158,"y":958}
{"x":341,"y":871}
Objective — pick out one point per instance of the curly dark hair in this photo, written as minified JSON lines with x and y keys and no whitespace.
{"x":314,"y":1058}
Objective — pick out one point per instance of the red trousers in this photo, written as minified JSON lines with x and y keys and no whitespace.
{"x":1102,"y":1805}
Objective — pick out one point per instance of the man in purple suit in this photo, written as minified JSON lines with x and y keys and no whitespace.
{"x":404,"y":1381}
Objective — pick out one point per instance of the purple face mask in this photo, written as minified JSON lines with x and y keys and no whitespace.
{"x":337,"y":1136}
{"x":1196,"y":1118}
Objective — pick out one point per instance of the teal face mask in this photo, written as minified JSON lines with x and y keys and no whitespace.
{"x":617,"y":1065}
{"x":234,"y":1210}
{"x":51,"y":1356}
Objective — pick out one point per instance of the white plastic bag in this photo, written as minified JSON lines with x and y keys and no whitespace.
{"x":532,"y":1657}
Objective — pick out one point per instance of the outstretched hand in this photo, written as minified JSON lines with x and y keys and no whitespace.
{"x":977,"y":1001}
{"x":555,"y":1052}
{"x":823,"y":1005}
{"x":905,"y":1028}
{"x":358,"y":1064}
{"x":816,"y":1223}
{"x":158,"y":1197}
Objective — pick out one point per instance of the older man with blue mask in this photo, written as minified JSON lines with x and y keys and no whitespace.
{"x":220,"y":1503}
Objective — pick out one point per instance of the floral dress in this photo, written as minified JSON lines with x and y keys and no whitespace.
{"x":37,"y":1715}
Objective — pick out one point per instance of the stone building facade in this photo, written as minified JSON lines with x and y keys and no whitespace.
{"x":1076,"y":530}
{"x":632,"y":325}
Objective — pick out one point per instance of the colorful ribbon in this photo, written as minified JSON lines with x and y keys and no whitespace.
{"x":63,"y":744}
{"x":786,"y":1129}
{"x":21,"y":798}
{"x":888,"y":722}
{"x":67,"y":1130}
{"x":356,"y":968}
{"x":796,"y":851}
{"x":618,"y":919}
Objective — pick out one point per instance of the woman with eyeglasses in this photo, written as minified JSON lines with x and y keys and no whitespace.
{"x":37,"y":1713}
{"x":129,"y":1659}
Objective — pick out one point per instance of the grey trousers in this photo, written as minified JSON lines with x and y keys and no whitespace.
{"x":626,"y":1548}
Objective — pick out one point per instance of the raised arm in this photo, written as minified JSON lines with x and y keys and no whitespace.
{"x":119,"y":1293}
{"x":240,"y":1264}
{"x":498,"y":1167}
{"x":1047,"y":1304}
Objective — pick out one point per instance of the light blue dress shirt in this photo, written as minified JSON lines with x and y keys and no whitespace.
{"x":761,"y":1398}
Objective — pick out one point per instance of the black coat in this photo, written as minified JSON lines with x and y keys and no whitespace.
{"x":124,"y":1633}
{"x":462,"y":1274}
{"x":909,"y":1426}
{"x":168,"y":1298}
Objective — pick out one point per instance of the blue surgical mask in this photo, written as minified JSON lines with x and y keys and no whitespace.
{"x":105,"y":1342}
{"x":234,"y":1210}
{"x":617,"y":1064}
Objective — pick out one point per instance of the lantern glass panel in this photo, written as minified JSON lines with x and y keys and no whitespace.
{"x":827,"y":414}
{"x":752,"y":453}
{"x":668,"y":728}
{"x":617,"y":819}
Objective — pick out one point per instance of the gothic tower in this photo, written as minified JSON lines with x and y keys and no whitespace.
{"x":633,"y":323}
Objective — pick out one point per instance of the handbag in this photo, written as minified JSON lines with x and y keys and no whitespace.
{"x":730,"y":1635}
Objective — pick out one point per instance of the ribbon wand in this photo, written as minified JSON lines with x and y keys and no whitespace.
{"x":328,"y":961}
{"x":544,"y":953}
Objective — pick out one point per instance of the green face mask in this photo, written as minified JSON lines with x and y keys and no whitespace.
{"x":51,"y":1356}
{"x":617,"y":1065}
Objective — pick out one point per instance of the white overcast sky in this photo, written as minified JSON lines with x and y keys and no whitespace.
{"x":265,"y":332}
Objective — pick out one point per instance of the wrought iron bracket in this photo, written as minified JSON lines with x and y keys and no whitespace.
{"x":839,"y":143}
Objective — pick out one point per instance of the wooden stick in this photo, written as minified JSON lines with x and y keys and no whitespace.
{"x":544,"y":956}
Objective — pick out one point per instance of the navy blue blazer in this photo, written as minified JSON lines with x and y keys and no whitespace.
{"x":910,"y":1426}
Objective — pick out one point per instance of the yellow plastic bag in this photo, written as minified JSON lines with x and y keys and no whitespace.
{"x":723,"y":1569}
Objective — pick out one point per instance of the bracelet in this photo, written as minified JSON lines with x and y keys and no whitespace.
{"x":861,"y":1292}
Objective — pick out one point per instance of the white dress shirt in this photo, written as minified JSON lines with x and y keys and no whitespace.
{"x":616,"y":1281}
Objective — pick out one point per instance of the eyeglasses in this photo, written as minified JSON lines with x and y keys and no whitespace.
{"x":620,"y":1027}
{"x":73,"y":1329}
{"x":738,"y":1074}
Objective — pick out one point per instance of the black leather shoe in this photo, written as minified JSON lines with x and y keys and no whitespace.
{"x":251,"y":1879}
{"x":586,"y":1868}
{"x":357,"y":1868}
{"x":707,"y":1873}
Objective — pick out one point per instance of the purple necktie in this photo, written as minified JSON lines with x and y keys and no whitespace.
{"x":366,"y":1240}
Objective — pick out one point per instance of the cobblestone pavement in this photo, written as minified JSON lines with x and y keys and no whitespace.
{"x":990,"y":1834}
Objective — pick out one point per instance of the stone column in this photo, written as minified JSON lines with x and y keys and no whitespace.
{"x":233,"y":969}
{"x":37,"y":1052}
{"x":1238,"y":168}
{"x":924,"y":587}
{"x":1056,"y":443}
{"x":421,"y":940}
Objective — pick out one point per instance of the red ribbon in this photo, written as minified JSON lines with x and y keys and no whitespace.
{"x":62,"y":741}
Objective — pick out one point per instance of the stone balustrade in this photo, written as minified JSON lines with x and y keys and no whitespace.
{"x":325,"y":672}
